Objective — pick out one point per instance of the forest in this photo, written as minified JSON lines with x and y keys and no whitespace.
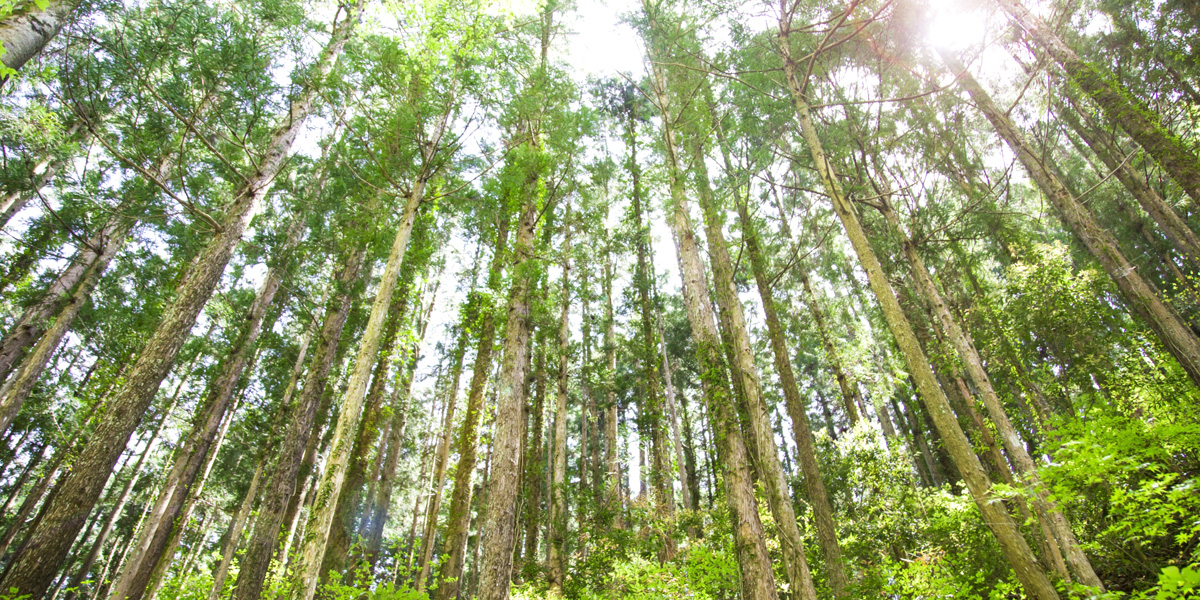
{"x":599,"y":299}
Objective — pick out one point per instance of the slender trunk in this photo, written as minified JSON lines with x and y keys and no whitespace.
{"x":1176,"y":230}
{"x":801,"y":429}
{"x":743,"y":369}
{"x":349,"y":501}
{"x":651,"y":407}
{"x":534,"y":464}
{"x":48,"y":545}
{"x":1121,"y":107}
{"x":459,"y":519}
{"x":1015,"y":549}
{"x":154,"y":546}
{"x":558,"y":493}
{"x":1138,"y":293}
{"x":235,"y":532}
{"x":325,"y":502}
{"x":19,"y":484}
{"x":373,"y":540}
{"x":612,"y":456}
{"x":848,"y":388}
{"x":282,"y":483}
{"x":40,"y":329}
{"x":965,"y":347}
{"x":499,"y":522}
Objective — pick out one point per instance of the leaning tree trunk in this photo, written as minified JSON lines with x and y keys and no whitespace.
{"x":341,"y":531}
{"x":119,"y":506}
{"x":756,"y":570}
{"x":1121,"y":107}
{"x":27,"y":32}
{"x":152,"y":549}
{"x":802,"y":430}
{"x":745,"y":372}
{"x":847,"y":387}
{"x":33,"y":570}
{"x":325,"y":502}
{"x":12,"y":200}
{"x":965,"y":347}
{"x":45,"y":324}
{"x":1176,"y":230}
{"x":1012,"y":543}
{"x":281,"y":485}
{"x":1138,"y":293}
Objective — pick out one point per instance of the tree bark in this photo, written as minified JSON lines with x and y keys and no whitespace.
{"x":325,"y":502}
{"x":235,"y":531}
{"x":49,"y":544}
{"x":802,"y":430}
{"x":1050,"y":515}
{"x":757,"y":577}
{"x":459,"y":519}
{"x":42,"y":326}
{"x":1015,"y":549}
{"x":25,"y":33}
{"x":154,"y":546}
{"x":743,"y":369}
{"x":499,"y":523}
{"x":282,"y":483}
{"x":558,"y":494}
{"x":1121,"y":107}
{"x":1139,"y":294}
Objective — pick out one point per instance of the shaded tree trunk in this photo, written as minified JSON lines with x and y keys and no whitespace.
{"x":459,"y":519}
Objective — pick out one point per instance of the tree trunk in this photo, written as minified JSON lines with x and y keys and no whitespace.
{"x":25,"y":33}
{"x":282,"y":483}
{"x":757,"y":577}
{"x":802,"y":430}
{"x":535,"y":463}
{"x":1015,"y":549}
{"x":119,"y":507}
{"x":154,"y":546}
{"x":558,"y":493}
{"x":743,"y":369}
{"x":1139,"y":294}
{"x":1121,"y":107}
{"x":325,"y":502}
{"x":499,"y":523}
{"x":42,"y":326}
{"x":442,"y":455}
{"x":235,"y":532}
{"x":965,"y":347}
{"x":459,"y":519}
{"x":1176,"y":230}
{"x":612,"y":455}
{"x":48,"y":545}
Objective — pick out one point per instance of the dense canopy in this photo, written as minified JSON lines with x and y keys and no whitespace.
{"x":663,"y":299}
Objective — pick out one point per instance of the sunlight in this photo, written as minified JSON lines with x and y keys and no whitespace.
{"x":956,"y":25}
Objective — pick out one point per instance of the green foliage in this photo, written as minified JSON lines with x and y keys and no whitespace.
{"x":1173,"y":584}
